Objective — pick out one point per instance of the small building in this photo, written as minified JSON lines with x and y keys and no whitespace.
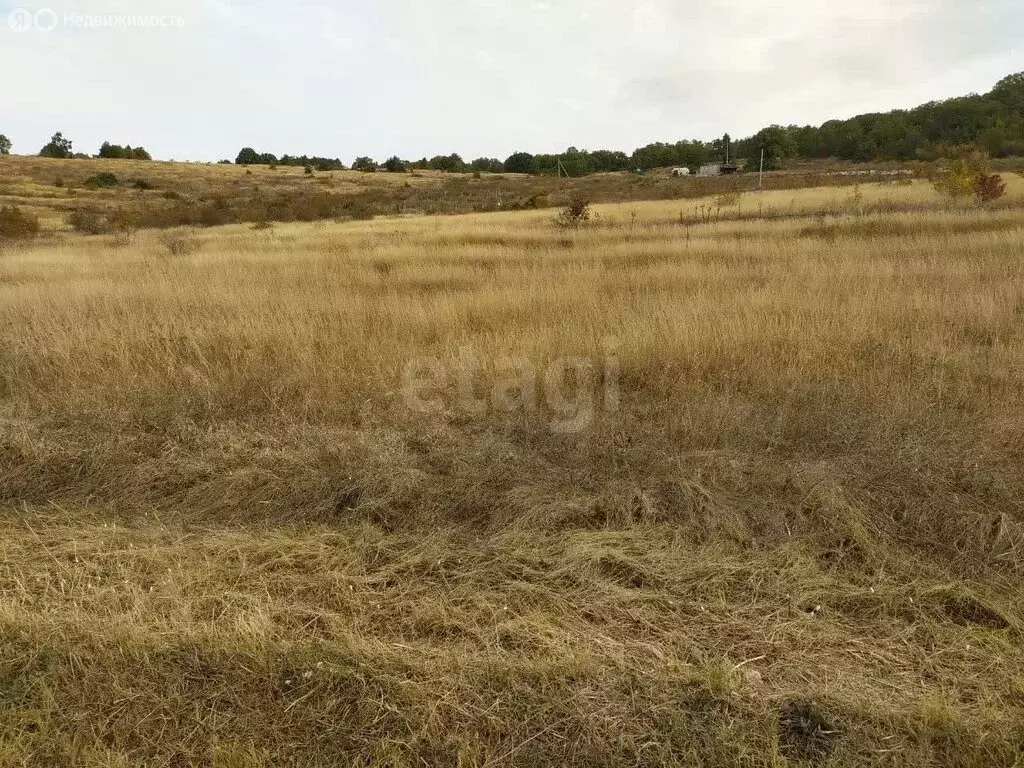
{"x":677,"y":172}
{"x":718,"y":169}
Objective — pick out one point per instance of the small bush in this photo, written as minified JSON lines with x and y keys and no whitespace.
{"x":15,"y":224}
{"x":142,"y":185}
{"x":101,"y":180}
{"x":122,"y":238}
{"x":90,"y":221}
{"x":180,"y":242}
{"x":575,"y":215}
{"x":215,"y":214}
{"x":989,"y":187}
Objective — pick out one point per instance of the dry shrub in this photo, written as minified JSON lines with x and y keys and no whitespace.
{"x":989,"y":187}
{"x":15,"y":224}
{"x":575,"y":215}
{"x":90,"y":221}
{"x":180,"y":242}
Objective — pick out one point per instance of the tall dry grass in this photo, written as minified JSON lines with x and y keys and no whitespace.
{"x":230,"y":541}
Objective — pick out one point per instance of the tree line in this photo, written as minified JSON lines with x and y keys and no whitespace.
{"x":993,"y":122}
{"x":61,"y":147}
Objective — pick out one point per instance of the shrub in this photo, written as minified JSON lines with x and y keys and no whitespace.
{"x":142,"y":185}
{"x":90,"y":221}
{"x":989,"y":187}
{"x":958,"y":182}
{"x":180,"y":242}
{"x":15,"y":224}
{"x":575,"y":215}
{"x":122,"y":238}
{"x":308,"y":170}
{"x":215,"y":214}
{"x":965,"y":175}
{"x":101,"y":180}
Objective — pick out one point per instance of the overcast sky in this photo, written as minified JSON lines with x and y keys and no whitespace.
{"x":479,"y":77}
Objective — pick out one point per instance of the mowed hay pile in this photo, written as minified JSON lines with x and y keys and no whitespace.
{"x":755,"y":502}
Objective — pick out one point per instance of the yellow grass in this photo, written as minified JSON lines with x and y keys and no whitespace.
{"x":789,"y":528}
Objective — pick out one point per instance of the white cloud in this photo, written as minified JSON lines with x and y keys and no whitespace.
{"x":485,"y":76}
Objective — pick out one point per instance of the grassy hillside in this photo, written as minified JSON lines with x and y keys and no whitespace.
{"x":762,"y":508}
{"x":162,"y":194}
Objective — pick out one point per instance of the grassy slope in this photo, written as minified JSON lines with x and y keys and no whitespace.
{"x":52,"y":189}
{"x":226,"y":540}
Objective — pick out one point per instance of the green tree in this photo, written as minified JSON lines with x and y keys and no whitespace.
{"x":117,"y":152}
{"x":778,"y":144}
{"x":249,"y":156}
{"x":395,"y":164}
{"x":111,"y":151}
{"x":364,"y":164}
{"x":452,"y":163}
{"x":1010,"y":93}
{"x":487,"y":165}
{"x":522,"y":162}
{"x":59,"y":147}
{"x":5,"y":145}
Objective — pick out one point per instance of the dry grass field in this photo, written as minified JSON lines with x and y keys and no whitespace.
{"x":699,"y":482}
